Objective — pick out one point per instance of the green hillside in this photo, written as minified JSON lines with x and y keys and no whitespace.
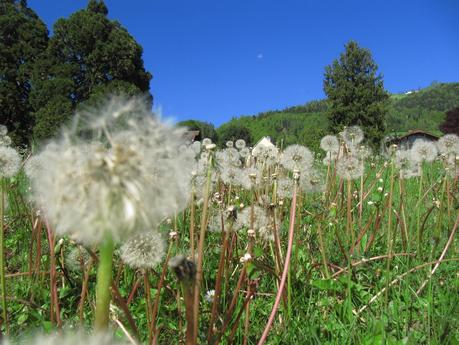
{"x":306,"y":124}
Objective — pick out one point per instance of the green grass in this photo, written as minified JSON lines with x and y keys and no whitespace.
{"x":322,"y":311}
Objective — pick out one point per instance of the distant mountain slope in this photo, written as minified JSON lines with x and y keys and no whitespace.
{"x":306,"y":124}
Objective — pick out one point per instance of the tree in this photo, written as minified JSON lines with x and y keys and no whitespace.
{"x":451,"y":123}
{"x":23,"y":37}
{"x":206,"y":129}
{"x":88,"y":57}
{"x":233,"y":132}
{"x":356,"y":93}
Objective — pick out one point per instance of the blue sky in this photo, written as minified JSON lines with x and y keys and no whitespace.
{"x":216,"y":59}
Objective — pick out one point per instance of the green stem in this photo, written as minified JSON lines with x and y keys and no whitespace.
{"x":104,"y":281}
{"x":2,"y":255}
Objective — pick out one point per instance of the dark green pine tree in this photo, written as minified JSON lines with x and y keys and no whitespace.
{"x":356,"y":93}
{"x":88,"y":57}
{"x":23,"y":37}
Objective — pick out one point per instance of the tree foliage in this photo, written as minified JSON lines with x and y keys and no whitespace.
{"x":206,"y":129}
{"x":356,"y":93}
{"x":23,"y":36}
{"x":451,"y":123}
{"x":88,"y":57}
{"x":233,"y":132}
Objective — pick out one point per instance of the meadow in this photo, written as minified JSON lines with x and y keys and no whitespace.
{"x":118,"y":225}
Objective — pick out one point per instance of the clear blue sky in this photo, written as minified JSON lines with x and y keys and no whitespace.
{"x":216,"y":59}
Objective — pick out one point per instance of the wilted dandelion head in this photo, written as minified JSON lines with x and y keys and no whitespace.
{"x":329,"y":143}
{"x":144,"y":250}
{"x":349,"y":168}
{"x":449,"y":144}
{"x":296,"y":157}
{"x":423,"y":150}
{"x":129,"y":175}
{"x":353,"y":135}
{"x":10,"y":161}
{"x":240,"y":144}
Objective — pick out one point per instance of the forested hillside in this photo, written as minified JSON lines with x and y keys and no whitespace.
{"x":306,"y":124}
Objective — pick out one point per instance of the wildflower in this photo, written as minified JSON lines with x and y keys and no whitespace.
{"x":126,"y":180}
{"x":349,"y":168}
{"x":408,"y":167}
{"x":209,"y":296}
{"x":240,"y":144}
{"x":229,"y":144}
{"x":247,"y":257}
{"x":449,"y":144}
{"x":380,"y":189}
{"x":352,"y":135}
{"x":329,"y":143}
{"x":266,"y":154}
{"x":10,"y":161}
{"x":296,"y":157}
{"x":423,"y":151}
{"x":144,"y":250}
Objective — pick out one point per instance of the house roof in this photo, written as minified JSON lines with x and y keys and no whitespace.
{"x":410,"y":133}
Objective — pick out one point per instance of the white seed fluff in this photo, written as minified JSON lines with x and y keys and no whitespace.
{"x":126,"y":178}
{"x":10,"y":161}
{"x":144,"y":250}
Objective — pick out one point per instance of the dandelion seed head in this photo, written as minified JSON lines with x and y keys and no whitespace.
{"x":129,"y":176}
{"x":244,"y":152}
{"x":353,"y":135}
{"x":260,"y":218}
{"x":285,"y":187}
{"x":449,"y":144}
{"x":312,"y":181}
{"x":349,"y":168}
{"x":423,"y":150}
{"x":329,"y":143}
{"x":144,"y":250}
{"x":296,"y":157}
{"x":229,"y":156}
{"x":196,"y":147}
{"x":240,"y":144}
{"x":206,"y":141}
{"x":10,"y":161}
{"x":229,"y":144}
{"x":77,"y":258}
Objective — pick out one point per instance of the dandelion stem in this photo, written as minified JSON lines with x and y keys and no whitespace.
{"x":2,"y":255}
{"x":104,"y":279}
